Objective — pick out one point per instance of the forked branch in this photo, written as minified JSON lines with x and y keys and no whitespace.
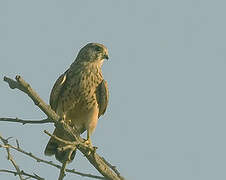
{"x":39,"y":160}
{"x":90,"y":152}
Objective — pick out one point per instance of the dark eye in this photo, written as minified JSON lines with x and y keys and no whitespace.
{"x":97,"y":48}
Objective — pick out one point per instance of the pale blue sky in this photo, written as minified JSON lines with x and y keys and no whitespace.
{"x":166,"y":75}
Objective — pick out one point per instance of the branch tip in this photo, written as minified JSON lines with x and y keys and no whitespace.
{"x":18,"y":77}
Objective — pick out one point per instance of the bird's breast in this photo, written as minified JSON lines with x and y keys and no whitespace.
{"x":80,"y":90}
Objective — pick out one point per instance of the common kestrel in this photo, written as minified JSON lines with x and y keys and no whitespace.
{"x":79,"y":96}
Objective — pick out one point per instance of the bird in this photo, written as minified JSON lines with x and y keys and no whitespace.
{"x":79,"y":96}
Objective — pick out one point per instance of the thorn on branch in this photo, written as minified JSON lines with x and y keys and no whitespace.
{"x":17,"y":143}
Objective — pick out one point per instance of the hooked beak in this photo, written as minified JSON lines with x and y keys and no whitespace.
{"x":106,"y":56}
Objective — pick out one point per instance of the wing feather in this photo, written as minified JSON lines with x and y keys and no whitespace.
{"x":102,"y":97}
{"x":57,"y":90}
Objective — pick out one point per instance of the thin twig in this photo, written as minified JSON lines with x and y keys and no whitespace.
{"x":60,"y":140}
{"x":17,"y":120}
{"x":10,"y":158}
{"x":62,"y":170}
{"x":17,"y":143}
{"x":73,"y":171}
{"x":35,"y":176}
{"x":66,"y":161}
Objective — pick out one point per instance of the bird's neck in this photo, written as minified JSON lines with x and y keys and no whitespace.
{"x":93,"y":66}
{"x":88,"y":68}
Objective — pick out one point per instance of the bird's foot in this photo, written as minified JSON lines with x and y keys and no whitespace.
{"x":88,"y":142}
{"x":90,"y":145}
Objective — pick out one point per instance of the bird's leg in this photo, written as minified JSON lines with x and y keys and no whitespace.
{"x":91,"y":124}
{"x":63,"y":118}
{"x":88,"y":140}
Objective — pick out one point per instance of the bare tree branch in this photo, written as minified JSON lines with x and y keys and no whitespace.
{"x":35,"y":176}
{"x":62,"y":170}
{"x":61,"y":140}
{"x":48,"y":162}
{"x":93,"y":157}
{"x":113,"y":168}
{"x":25,"y":87}
{"x":17,"y":120}
{"x":10,"y":158}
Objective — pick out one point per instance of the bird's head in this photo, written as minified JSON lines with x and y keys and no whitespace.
{"x":93,"y":52}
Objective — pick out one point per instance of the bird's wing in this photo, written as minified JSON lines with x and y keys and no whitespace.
{"x":56,"y":91}
{"x":102,"y":97}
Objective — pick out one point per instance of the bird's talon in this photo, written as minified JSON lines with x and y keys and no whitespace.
{"x":94,"y":149}
{"x":88,"y":143}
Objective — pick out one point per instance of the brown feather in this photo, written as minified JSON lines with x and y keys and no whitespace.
{"x":79,"y":96}
{"x":102,"y":97}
